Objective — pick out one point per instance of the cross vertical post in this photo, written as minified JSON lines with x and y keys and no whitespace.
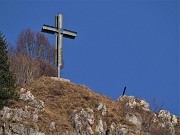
{"x":59,"y":25}
{"x":60,"y":33}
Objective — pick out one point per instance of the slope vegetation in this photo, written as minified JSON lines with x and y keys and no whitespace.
{"x":57,"y":106}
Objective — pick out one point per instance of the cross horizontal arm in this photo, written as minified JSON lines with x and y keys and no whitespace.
{"x":69,"y":34}
{"x":49,"y":29}
{"x":60,"y":33}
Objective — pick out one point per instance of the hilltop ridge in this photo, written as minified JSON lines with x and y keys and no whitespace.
{"x":52,"y":106}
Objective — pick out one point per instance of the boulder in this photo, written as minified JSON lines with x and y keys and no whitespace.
{"x":28,"y":96}
{"x":83,"y":120}
{"x":102,"y":108}
{"x":100,"y":128}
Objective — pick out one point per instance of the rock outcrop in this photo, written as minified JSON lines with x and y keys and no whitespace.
{"x":50,"y":106}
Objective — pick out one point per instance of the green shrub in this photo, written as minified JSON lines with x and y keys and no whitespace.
{"x":7,"y":89}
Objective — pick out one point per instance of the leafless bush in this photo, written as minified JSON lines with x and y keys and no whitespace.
{"x":33,"y":57}
{"x":24,"y":68}
{"x":155,"y":106}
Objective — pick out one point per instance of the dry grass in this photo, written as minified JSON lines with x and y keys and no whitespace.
{"x":61,"y":98}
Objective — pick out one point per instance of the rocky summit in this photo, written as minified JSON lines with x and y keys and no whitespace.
{"x":52,"y":106}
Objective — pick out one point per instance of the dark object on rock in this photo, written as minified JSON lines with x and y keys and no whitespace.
{"x":124,"y":91}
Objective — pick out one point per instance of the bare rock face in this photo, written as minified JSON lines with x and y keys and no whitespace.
{"x":17,"y":128}
{"x":28,"y":96}
{"x":83,"y":120}
{"x":167,"y":120}
{"x":13,"y":118}
{"x":39,"y":105}
{"x":100,"y":128}
{"x":35,"y":117}
{"x":20,"y":129}
{"x":133,"y":102}
{"x":124,"y":130}
{"x":167,"y":117}
{"x":5,"y":113}
{"x":102,"y":108}
{"x":136,"y":120}
{"x":52,"y":125}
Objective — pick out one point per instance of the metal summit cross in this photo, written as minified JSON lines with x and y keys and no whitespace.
{"x":59,"y":35}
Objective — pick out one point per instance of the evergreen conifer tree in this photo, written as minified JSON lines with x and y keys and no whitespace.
{"x":6,"y":79}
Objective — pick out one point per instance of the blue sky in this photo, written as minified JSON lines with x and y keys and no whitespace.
{"x":132,"y":43}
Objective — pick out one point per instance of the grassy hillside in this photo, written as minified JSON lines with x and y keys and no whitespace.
{"x":63,"y":99}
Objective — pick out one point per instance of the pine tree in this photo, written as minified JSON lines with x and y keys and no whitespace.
{"x":6,"y":79}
